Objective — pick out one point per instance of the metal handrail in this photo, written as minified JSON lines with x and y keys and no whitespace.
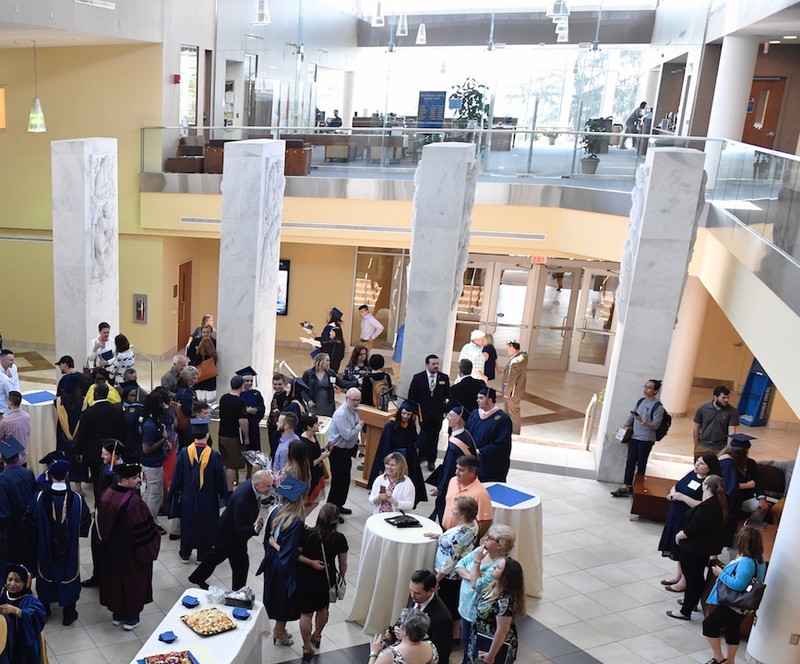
{"x":282,"y":364}
{"x":588,"y":421}
{"x":150,"y":360}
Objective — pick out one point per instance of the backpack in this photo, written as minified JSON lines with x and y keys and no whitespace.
{"x":666,"y":419}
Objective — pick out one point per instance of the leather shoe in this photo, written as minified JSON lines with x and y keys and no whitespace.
{"x":345,"y":510}
{"x":198,"y":583}
{"x":91,"y":582}
{"x":431,"y":465}
{"x":678,"y":615}
{"x":341,"y":520}
{"x":174,"y":537}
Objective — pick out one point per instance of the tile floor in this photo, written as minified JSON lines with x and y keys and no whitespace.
{"x":602,"y":600}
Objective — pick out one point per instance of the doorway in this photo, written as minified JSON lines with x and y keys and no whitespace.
{"x":184,"y":304}
{"x":763,"y":112}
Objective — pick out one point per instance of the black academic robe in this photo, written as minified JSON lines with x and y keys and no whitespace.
{"x":457,"y":445}
{"x":253,"y":399}
{"x":405,"y":440}
{"x":17,"y":485}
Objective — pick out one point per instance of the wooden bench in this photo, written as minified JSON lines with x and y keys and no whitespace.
{"x":650,"y":497}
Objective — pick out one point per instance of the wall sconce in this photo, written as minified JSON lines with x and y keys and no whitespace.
{"x":422,"y":35}
{"x":36,"y":118}
{"x":402,"y":26}
{"x":3,"y":108}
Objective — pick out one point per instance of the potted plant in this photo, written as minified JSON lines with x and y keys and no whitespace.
{"x":551,"y":136}
{"x":592,"y":144}
{"x":471,"y":112}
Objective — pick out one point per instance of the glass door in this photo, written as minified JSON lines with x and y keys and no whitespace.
{"x":553,"y":317}
{"x":595,"y":323}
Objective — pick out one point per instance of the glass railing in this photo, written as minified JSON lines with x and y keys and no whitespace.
{"x":759,"y":187}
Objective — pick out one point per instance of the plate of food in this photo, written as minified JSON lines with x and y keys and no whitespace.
{"x":208,"y":622}
{"x":175,"y":657}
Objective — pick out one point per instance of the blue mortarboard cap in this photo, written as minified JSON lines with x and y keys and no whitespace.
{"x":489,"y":392}
{"x":52,"y":457}
{"x":301,"y":384}
{"x":336,"y":314}
{"x":458,"y":409}
{"x":23,"y":572}
{"x":10,"y":447}
{"x":291,"y":488}
{"x":741,"y":440}
{"x":59,"y":470}
{"x":200,"y":425}
{"x":247,"y":371}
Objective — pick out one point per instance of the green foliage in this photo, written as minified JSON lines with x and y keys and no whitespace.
{"x":473,"y":102}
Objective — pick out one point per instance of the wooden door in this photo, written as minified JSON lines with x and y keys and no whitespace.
{"x":763,"y":111}
{"x":184,"y":304}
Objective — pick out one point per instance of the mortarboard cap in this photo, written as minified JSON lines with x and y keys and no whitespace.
{"x":127,"y":470}
{"x":741,"y":440}
{"x":200,"y":425}
{"x":336,"y":314}
{"x":458,"y":409}
{"x":10,"y":447}
{"x":52,"y":457}
{"x":247,"y":371}
{"x":300,"y":383}
{"x":411,"y":406}
{"x":489,"y":392}
{"x":291,"y":488}
{"x":59,"y":470}
{"x":23,"y":572}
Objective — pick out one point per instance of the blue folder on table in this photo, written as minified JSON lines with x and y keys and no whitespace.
{"x":38,"y":397}
{"x":507,"y":496}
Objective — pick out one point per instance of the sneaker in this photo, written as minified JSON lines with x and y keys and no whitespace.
{"x":622,"y":492}
{"x":131,"y":626}
{"x":116,"y":622}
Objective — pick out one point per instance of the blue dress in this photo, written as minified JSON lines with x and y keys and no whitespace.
{"x":24,"y":643}
{"x":677,"y":512}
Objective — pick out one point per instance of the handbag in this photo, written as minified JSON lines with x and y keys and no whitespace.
{"x":206,"y":369}
{"x":181,"y":419}
{"x":748,"y":599}
{"x":337,"y":589}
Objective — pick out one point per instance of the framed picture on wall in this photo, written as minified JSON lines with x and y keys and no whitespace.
{"x":140,"y":308}
{"x":282,"y":305}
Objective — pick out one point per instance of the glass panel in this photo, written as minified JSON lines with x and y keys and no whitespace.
{"x":594,"y":348}
{"x":599,"y":314}
{"x":510,"y":306}
{"x":549,"y":344}
{"x":556,"y":298}
{"x":188,"y":85}
{"x":380,"y":280}
{"x":470,"y":305}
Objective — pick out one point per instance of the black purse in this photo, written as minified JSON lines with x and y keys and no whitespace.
{"x":748,"y":599}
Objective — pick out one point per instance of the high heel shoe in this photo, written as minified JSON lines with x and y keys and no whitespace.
{"x":282,"y":639}
{"x":308,"y":653}
{"x":315,"y":640}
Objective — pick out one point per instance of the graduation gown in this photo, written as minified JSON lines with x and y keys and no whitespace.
{"x":66,"y":437}
{"x":23,"y":643}
{"x":197,"y":506}
{"x":128,"y":547}
{"x":396,"y":438}
{"x":281,"y":598}
{"x":17,"y":485}
{"x":254,"y":399}
{"x":54,"y":529}
{"x":492,"y":434}
{"x":457,"y":445}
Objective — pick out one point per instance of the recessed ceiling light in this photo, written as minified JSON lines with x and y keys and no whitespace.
{"x":774,"y":41}
{"x":790,"y":36}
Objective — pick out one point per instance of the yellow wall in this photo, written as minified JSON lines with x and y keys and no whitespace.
{"x":27,"y":269}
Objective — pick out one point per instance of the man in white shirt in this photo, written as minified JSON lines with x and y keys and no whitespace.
{"x":473,"y":351}
{"x":9,"y":368}
{"x":100,"y":346}
{"x":371,"y":328}
{"x":6,"y":382}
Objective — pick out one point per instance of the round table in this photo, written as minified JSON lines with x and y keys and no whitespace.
{"x":389,"y":556}
{"x":521,"y":510}
{"x":39,"y":405}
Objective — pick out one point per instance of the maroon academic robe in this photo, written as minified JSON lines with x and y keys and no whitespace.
{"x":129,"y":545}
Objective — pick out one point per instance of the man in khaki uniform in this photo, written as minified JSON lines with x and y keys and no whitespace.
{"x":514,"y":379}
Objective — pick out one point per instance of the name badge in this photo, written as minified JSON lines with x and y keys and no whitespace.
{"x":694,"y":484}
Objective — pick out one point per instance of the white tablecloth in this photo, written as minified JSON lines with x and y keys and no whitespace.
{"x":239,"y":646}
{"x":525,"y":519}
{"x":43,"y":427}
{"x":389,"y":556}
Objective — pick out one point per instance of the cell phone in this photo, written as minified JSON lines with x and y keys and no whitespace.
{"x":634,"y":413}
{"x":382,"y":489}
{"x":329,"y":447}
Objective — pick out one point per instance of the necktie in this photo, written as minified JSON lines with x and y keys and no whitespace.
{"x":432,"y":381}
{"x":418,"y":606}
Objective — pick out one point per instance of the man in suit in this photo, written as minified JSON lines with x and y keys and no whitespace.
{"x":238,"y":523}
{"x":422,"y":591}
{"x":429,"y":389}
{"x":100,"y":421}
{"x":514,"y":380}
{"x":464,"y":391}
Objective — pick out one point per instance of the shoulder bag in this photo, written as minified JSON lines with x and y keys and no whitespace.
{"x":336,"y":590}
{"x":748,"y":599}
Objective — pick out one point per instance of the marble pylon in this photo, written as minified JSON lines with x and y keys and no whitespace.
{"x":667,"y":200}
{"x":85,"y":242}
{"x":249,"y":253}
{"x":443,"y":198}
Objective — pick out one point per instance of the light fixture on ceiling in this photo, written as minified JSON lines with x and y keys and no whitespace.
{"x":790,"y":36}
{"x":774,"y":41}
{"x":36,"y":118}
{"x":562,"y":38}
{"x":377,"y":18}
{"x":561,"y":27}
{"x":422,"y":35}
{"x":402,"y":26}
{"x":558,"y":10}
{"x":262,"y":16}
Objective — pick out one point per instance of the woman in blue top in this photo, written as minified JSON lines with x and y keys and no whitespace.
{"x":737,"y":575}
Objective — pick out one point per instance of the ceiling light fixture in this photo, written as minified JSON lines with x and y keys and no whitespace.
{"x":262,"y":16}
{"x":377,"y":18}
{"x":422,"y":35}
{"x":402,"y":26}
{"x":36,"y":118}
{"x":790,"y":36}
{"x":558,"y":10}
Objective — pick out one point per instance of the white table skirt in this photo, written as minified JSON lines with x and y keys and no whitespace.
{"x":43,"y":428}
{"x":389,"y":556}
{"x":239,"y":646}
{"x":525,"y":519}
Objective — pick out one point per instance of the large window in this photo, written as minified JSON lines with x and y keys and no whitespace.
{"x":188,"y":86}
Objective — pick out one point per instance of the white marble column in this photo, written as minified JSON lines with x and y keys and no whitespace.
{"x":737,"y":65}
{"x":443,"y":198}
{"x":666,"y":202}
{"x":249,"y":251}
{"x":682,"y":358}
{"x":85,"y":242}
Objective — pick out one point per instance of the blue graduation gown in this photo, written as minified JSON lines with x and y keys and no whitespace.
{"x":253,"y":399}
{"x":16,"y":490}
{"x":493,"y":442}
{"x":281,"y":598}
{"x":23,"y":641}
{"x":405,"y":440}
{"x":448,"y":468}
{"x":198,"y":508}
{"x":57,"y":568}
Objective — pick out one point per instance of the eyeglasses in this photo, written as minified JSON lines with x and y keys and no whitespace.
{"x":493,"y":538}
